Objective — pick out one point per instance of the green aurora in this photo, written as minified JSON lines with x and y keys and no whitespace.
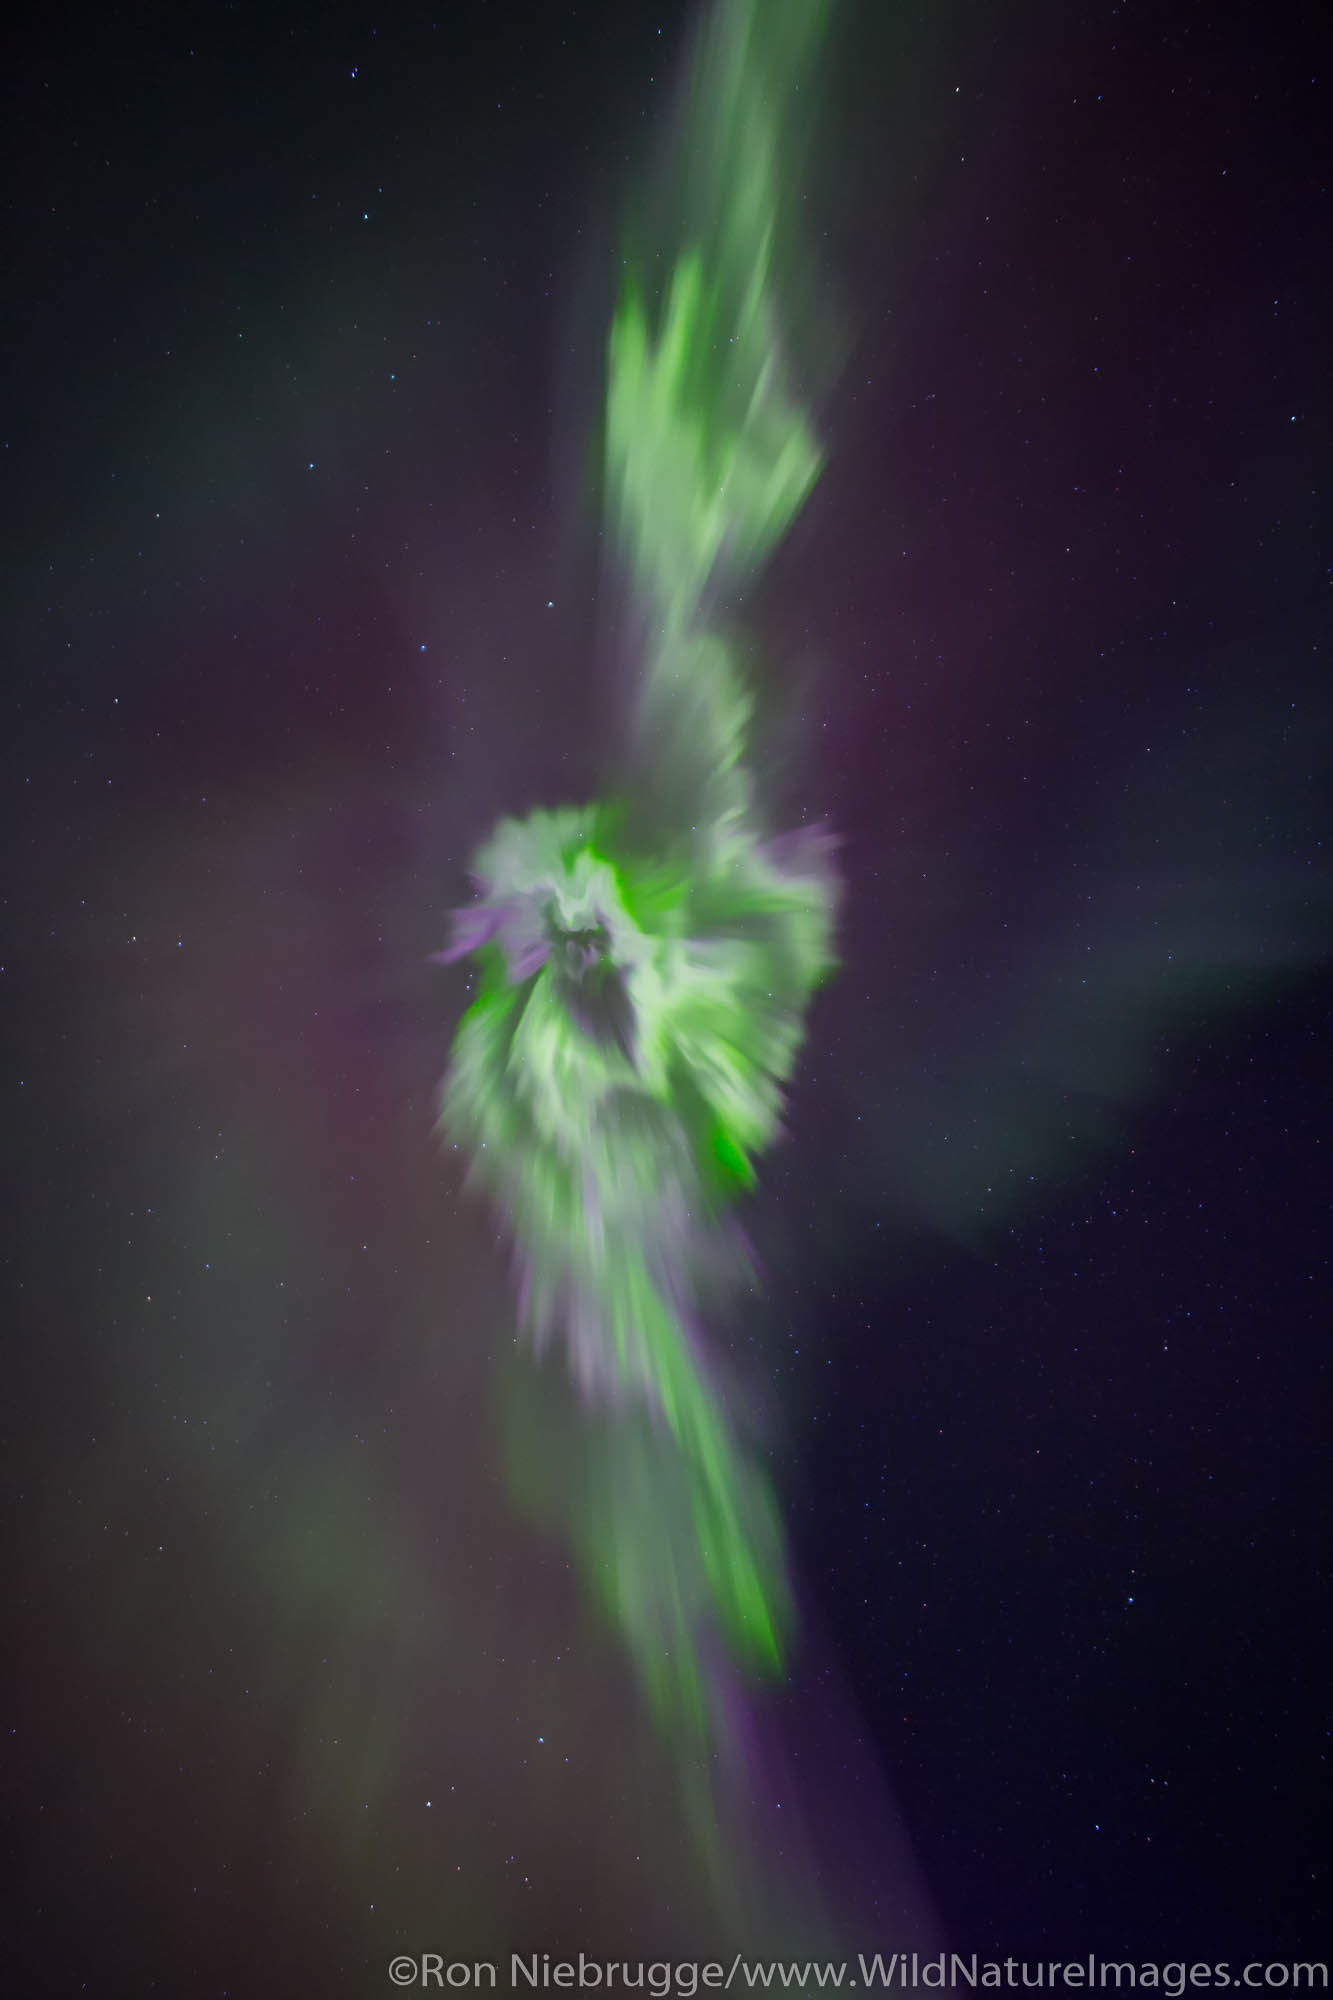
{"x":646,"y":962}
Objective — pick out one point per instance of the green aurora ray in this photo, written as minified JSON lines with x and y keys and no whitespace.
{"x":646,"y":963}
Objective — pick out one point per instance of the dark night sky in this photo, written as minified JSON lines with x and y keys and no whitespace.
{"x":303,"y":329}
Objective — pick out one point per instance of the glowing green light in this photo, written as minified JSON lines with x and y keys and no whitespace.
{"x":647,"y":963}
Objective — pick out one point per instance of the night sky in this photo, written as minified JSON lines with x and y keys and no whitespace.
{"x":304,"y":322}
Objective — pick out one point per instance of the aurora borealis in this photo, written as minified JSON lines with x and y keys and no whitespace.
{"x":328,"y":557}
{"x":644,"y":984}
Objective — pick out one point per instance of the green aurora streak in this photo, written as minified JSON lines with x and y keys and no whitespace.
{"x":646,"y":963}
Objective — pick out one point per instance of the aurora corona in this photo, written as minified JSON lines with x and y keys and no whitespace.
{"x":646,"y":961}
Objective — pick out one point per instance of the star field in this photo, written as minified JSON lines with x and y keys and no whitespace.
{"x":305,"y":590}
